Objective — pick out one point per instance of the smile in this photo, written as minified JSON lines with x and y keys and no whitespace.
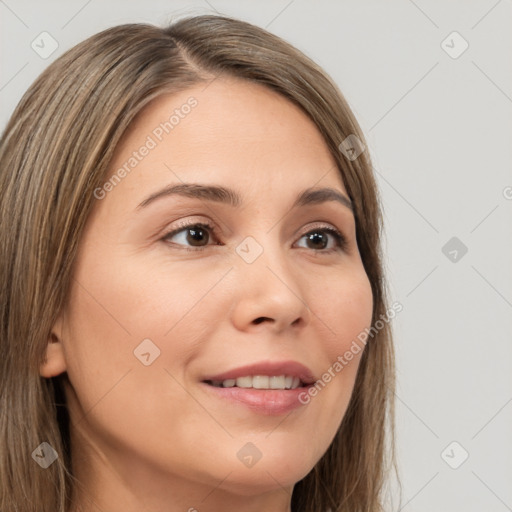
{"x":266,"y":388}
{"x":260,"y":382}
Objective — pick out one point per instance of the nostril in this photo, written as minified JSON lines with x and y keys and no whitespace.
{"x":260,"y":319}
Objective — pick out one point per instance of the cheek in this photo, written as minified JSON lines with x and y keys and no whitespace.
{"x":345,"y":306}
{"x":114,"y":310}
{"x":343,"y":311}
{"x":120,"y":397}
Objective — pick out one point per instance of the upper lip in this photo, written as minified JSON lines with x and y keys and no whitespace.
{"x":269,"y":368}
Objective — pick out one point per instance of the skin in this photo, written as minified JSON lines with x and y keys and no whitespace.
{"x":150,"y":437}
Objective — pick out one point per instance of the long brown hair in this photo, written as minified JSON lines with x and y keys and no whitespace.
{"x":56,"y":150}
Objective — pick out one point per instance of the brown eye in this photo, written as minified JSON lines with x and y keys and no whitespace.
{"x":318,"y":239}
{"x":195,"y":234}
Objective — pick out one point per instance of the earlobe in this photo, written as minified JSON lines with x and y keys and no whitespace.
{"x":54,"y":362}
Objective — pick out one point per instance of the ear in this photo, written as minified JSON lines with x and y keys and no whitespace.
{"x":54,"y":362}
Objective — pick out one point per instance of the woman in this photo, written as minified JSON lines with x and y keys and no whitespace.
{"x":191,"y":257}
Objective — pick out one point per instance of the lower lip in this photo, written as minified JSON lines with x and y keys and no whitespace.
{"x":271,"y":402}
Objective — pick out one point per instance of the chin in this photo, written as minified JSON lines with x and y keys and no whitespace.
{"x":258,"y":482}
{"x":274,"y":473}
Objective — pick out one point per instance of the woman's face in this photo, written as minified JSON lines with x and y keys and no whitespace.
{"x":160,"y":313}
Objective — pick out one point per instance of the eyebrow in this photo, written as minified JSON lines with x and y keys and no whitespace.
{"x":220,"y":194}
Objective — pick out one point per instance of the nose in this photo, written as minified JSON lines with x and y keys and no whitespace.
{"x":269,"y":293}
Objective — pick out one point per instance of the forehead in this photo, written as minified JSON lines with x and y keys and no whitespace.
{"x":227,"y":131}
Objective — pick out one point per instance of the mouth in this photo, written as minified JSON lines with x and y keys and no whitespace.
{"x":268,"y":388}
{"x":281,"y":382}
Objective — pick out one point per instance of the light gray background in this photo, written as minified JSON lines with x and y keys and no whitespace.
{"x":439,"y":131}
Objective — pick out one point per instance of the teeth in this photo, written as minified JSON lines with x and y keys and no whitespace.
{"x":261,"y":382}
{"x":243,"y":382}
{"x":277,"y":382}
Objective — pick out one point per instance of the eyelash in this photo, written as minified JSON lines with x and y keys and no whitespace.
{"x":340,"y":240}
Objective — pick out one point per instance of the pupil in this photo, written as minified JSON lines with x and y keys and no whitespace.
{"x":196,"y":234}
{"x":315,"y":237}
